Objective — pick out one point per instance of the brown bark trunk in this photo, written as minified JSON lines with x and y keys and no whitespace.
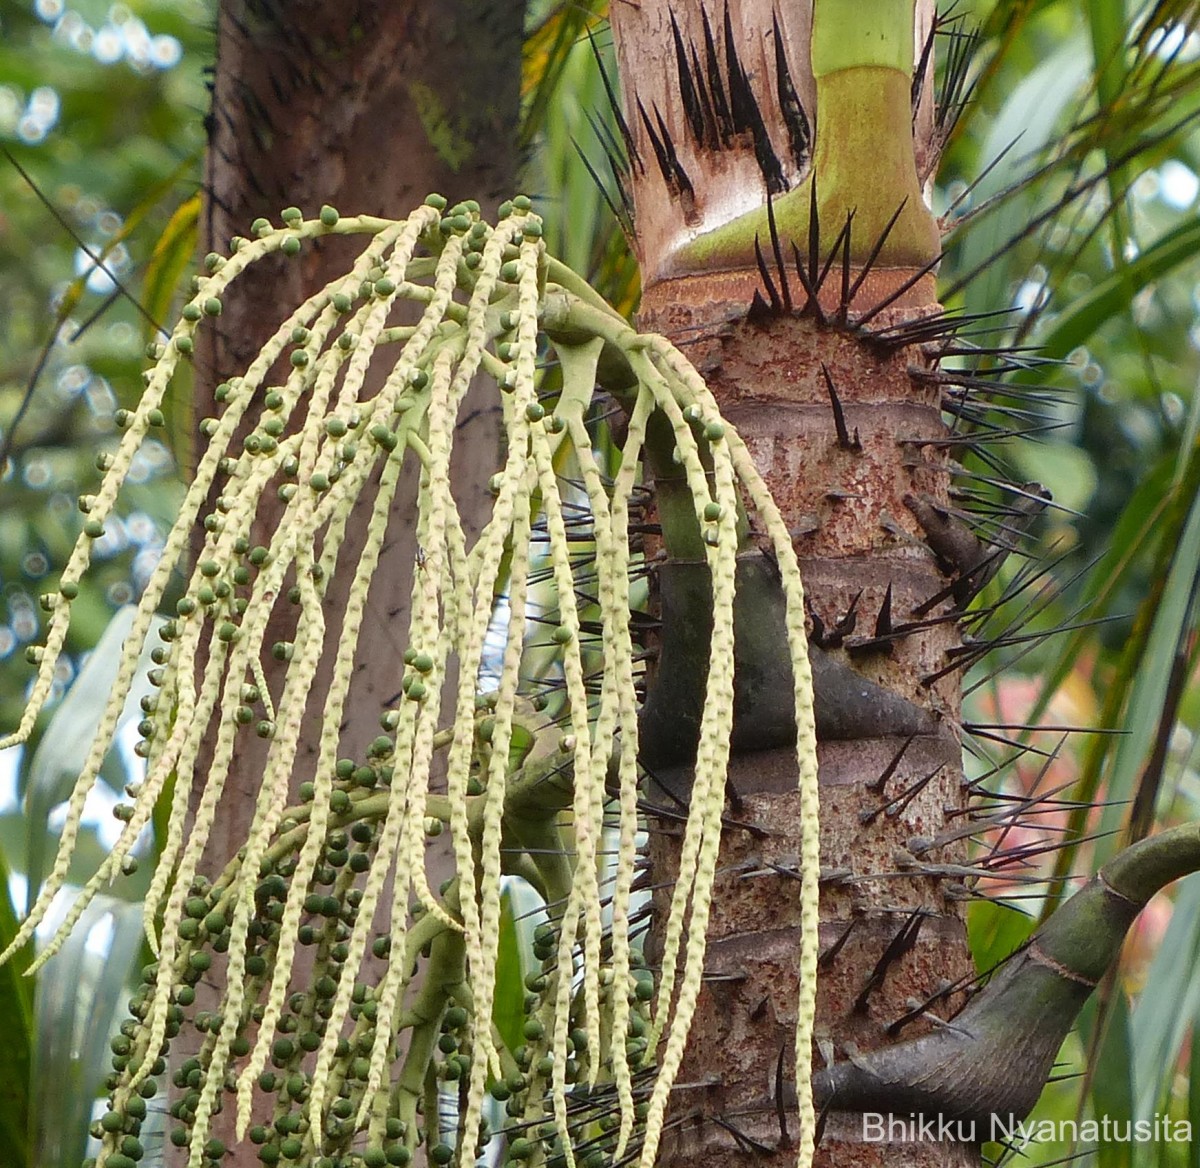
{"x":746,"y":1015}
{"x":367,"y":106}
{"x":859,"y":547}
{"x":347,"y":104}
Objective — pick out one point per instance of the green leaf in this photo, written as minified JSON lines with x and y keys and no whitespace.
{"x":1107,"y":26}
{"x":996,"y":931}
{"x":1194,"y":1104}
{"x":64,"y":747}
{"x":1112,"y":1072}
{"x":1030,"y":118}
{"x":16,"y":1025}
{"x":1169,"y":1007}
{"x":1112,"y":297}
{"x":174,"y":251}
{"x":1155,"y":520}
{"x":1144,"y":710}
{"x":1066,"y":470}
{"x":80,"y":1000}
{"x":508,"y":1008}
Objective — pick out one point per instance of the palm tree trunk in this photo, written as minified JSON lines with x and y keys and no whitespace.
{"x":725,"y":107}
{"x":347,"y":104}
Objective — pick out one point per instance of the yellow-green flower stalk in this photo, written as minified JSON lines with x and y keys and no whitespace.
{"x":340,"y":1071}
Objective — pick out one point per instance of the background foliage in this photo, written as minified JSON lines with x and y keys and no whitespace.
{"x":1091,"y":102}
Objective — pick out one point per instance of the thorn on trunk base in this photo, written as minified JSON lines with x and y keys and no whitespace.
{"x":852,"y":445}
{"x":900,"y":944}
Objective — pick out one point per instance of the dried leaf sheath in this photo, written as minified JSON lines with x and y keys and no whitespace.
{"x":352,"y":1063}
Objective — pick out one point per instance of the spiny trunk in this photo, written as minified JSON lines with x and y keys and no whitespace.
{"x":847,"y":439}
{"x":348,"y":104}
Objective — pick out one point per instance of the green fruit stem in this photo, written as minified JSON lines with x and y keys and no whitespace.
{"x":863,"y":163}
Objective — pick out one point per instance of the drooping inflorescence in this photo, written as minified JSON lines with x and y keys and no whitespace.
{"x":347,"y":1070}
